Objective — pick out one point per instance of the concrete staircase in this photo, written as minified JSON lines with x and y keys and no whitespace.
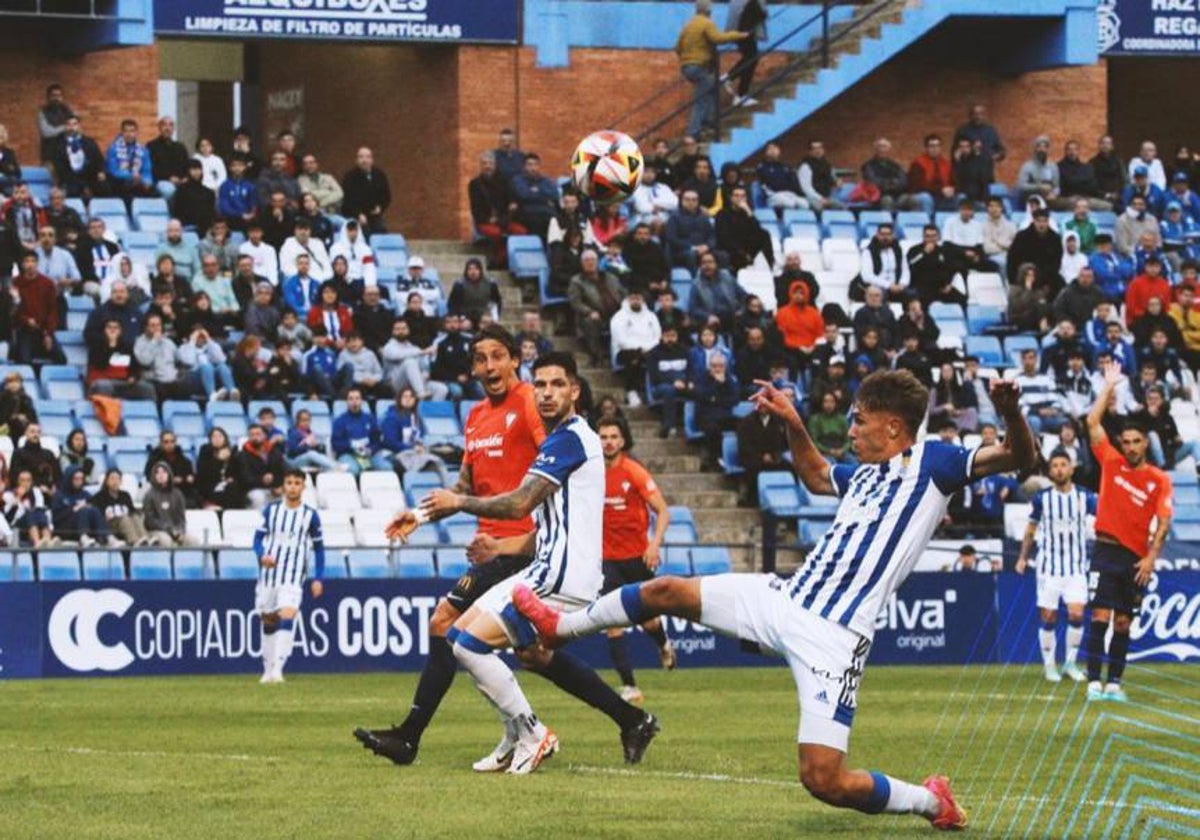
{"x":674,"y":463}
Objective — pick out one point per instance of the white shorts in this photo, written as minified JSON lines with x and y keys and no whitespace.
{"x":826,"y":658}
{"x":269,"y":599}
{"x":497,"y":601}
{"x":1072,"y":589}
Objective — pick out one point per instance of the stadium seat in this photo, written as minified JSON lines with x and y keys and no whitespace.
{"x":61,"y":382}
{"x":239,"y":526}
{"x":336,"y":526}
{"x":1015,"y":345}
{"x":681,"y":513}
{"x":912,"y":219}
{"x":980,"y":318}
{"x":426,"y":535}
{"x":415,"y":563}
{"x":150,"y":565}
{"x":676,"y":561}
{"x":417,"y":484}
{"x":690,"y":430}
{"x":377,"y":484}
{"x":452,"y":562}
{"x":439,"y":420}
{"x":16,"y":567}
{"x":56,"y":424}
{"x":103,"y":565}
{"x":335,"y":483}
{"x":370,"y":524}
{"x":711,"y":560}
{"x":729,"y":455}
{"x":812,"y":530}
{"x":58,"y":565}
{"x":106,"y":207}
{"x":987,"y":348}
{"x":940,"y":311}
{"x":1187,"y":531}
{"x":141,"y":239}
{"x":372,"y":563}
{"x":204,"y":526}
{"x":335,"y":565}
{"x":816,"y":506}
{"x":464,"y":409}
{"x":460,"y":533}
{"x":237,"y":564}
{"x":191,"y":565}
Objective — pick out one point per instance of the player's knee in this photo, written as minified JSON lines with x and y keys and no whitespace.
{"x":270,"y":621}
{"x":1049,"y":619}
{"x":443,"y":619}
{"x":823,"y":781}
{"x":534,"y":658}
{"x":662,"y":592}
{"x":1121,"y":624}
{"x":614,"y":632}
{"x":1075,"y":616}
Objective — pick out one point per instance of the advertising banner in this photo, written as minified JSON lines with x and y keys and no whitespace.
{"x":462,"y":21}
{"x":1148,"y":27}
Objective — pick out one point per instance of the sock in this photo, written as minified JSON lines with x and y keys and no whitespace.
{"x":283,"y":640}
{"x":658,"y":632}
{"x":436,"y":678}
{"x":492,"y":677}
{"x":893,"y":796}
{"x":1074,"y":637}
{"x":572,"y":675}
{"x":619,"y":608}
{"x":1095,"y":650}
{"x":268,"y":649}
{"x":1047,"y":640}
{"x":1117,"y":649}
{"x":618,"y":651}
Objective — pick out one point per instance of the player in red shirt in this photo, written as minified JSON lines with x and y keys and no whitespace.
{"x":1133,"y":493}
{"x":630,"y":556}
{"x":502,"y":436}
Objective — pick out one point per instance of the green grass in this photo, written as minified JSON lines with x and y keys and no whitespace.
{"x":220,"y":757}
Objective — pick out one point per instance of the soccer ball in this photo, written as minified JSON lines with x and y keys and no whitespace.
{"x":607,"y":167}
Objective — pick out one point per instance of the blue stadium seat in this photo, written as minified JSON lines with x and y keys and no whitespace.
{"x":1188,"y":531}
{"x":690,"y":430}
{"x":805,"y":230}
{"x":980,"y":318}
{"x":36,"y":175}
{"x":711,"y":560}
{"x":765,"y":215}
{"x":141,"y":239}
{"x":941,"y":311}
{"x":64,"y":408}
{"x":191,"y":565}
{"x":150,"y":565}
{"x":371,"y":563}
{"x":1015,"y":345}
{"x":147,"y":427}
{"x":426,"y":536}
{"x":682,"y":274}
{"x":452,"y":562}
{"x":139,"y":408}
{"x":255,"y":406}
{"x":317,"y":408}
{"x":58,"y":565}
{"x":842,"y":230}
{"x":1184,"y":477}
{"x":1186,"y":513}
{"x":681,"y":533}
{"x":150,"y":206}
{"x":811,"y":530}
{"x":682,"y":290}
{"x":419,"y":483}
{"x":238,"y":564}
{"x":813,"y":505}
{"x":987,"y":348}
{"x":187,"y":424}
{"x":388,"y":240}
{"x":78,"y":206}
{"x":1187,"y":495}
{"x":106,"y":207}
{"x":464,"y":410}
{"x":838,"y":217}
{"x":439,"y":419}
{"x":416,"y":563}
{"x":16,"y":568}
{"x":1104,"y":218}
{"x":676,"y":561}
{"x":335,"y":565}
{"x":102,"y":565}
{"x":681,"y":513}
{"x":56,"y":425}
{"x":795,"y":216}
{"x":118,"y":225}
{"x":729,"y":454}
{"x":460,"y":533}
{"x":912,"y":219}
{"x":781,"y":501}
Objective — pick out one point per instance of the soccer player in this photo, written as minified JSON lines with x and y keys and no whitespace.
{"x":1133,"y":493}
{"x":822,"y":618}
{"x":629,"y":555}
{"x":290,"y":532}
{"x":1059,"y":521}
{"x":502,"y":436}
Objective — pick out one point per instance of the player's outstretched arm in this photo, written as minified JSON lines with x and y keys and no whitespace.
{"x":1019,"y":451}
{"x":807,"y":462}
{"x":1095,"y":417}
{"x":516,"y":504}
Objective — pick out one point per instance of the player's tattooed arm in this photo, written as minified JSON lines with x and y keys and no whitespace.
{"x":465,"y":484}
{"x":516,"y":504}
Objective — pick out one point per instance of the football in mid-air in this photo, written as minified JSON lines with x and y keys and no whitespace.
{"x":607,"y":166}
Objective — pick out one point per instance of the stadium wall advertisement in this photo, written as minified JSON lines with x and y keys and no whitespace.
{"x":1148,"y":27}
{"x":157,"y":628}
{"x":459,"y":21}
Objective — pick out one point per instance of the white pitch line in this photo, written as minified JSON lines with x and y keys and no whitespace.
{"x":139,"y":753}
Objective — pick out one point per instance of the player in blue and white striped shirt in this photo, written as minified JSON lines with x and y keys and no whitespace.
{"x":290,"y":532}
{"x":1059,"y":521}
{"x":822,"y":618}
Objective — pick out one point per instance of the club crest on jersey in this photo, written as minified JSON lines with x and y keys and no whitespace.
{"x":625,"y":485}
{"x":509,"y":419}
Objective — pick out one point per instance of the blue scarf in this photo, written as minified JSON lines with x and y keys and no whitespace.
{"x":129,"y":156}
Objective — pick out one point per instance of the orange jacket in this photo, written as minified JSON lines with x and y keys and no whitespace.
{"x":800,"y":325}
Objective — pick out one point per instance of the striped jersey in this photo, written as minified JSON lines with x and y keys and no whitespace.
{"x":1062,"y":530}
{"x":887,"y":515}
{"x":570,"y":523}
{"x":289,"y":535}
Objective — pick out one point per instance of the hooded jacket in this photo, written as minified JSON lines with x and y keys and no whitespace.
{"x":800,"y":325}
{"x":635,"y":330}
{"x":164,"y":508}
{"x":64,"y":502}
{"x":360,"y":259}
{"x":39,"y":302}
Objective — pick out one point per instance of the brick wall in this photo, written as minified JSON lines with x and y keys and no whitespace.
{"x":103,"y":87}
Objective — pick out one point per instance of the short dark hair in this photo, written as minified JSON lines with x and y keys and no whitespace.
{"x":1060,"y":453}
{"x":128,"y":123}
{"x":295,"y":472}
{"x":1132,"y":424}
{"x":561,"y":359}
{"x":620,"y":424}
{"x":532,"y":156}
{"x":931,"y":137}
{"x":896,"y":392}
{"x":53,"y":87}
{"x":497,"y":333}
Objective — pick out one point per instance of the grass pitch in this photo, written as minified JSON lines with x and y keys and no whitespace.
{"x":220,"y":757}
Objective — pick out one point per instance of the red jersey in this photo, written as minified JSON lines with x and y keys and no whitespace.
{"x":627,"y":491}
{"x":501,"y":442}
{"x":1129,"y":498}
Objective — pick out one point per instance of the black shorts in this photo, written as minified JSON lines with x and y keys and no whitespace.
{"x":1111,"y":582}
{"x":483,"y":576}
{"x":617,"y":573}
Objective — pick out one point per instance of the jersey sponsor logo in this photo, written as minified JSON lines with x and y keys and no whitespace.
{"x":920,"y":623}
{"x":485,"y":443}
{"x":1139,"y":496}
{"x":74,"y":630}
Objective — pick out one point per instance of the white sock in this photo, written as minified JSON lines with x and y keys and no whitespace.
{"x":906,"y":798}
{"x":268,"y":652}
{"x":283,"y":642}
{"x":619,"y":608}
{"x":1047,"y":640}
{"x":495,"y":682}
{"x":1074,"y":639}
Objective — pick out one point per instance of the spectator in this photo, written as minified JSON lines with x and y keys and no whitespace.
{"x":1039,"y":176}
{"x":207,"y":370}
{"x":1082,"y":225}
{"x":595,"y":298}
{"x":286,"y":143}
{"x":779,"y":181}
{"x":1109,"y":171}
{"x":56,"y":262}
{"x":352,"y":246}
{"x":23,"y":218}
{"x":474,"y":294}
{"x":305,"y":449}
{"x":1079,"y":299}
{"x":801,"y":326}
{"x":111,"y":370}
{"x":321,"y":371}
{"x":1078,"y":181}
{"x":531,"y":330}
{"x":356,"y":439}
{"x":182,"y":254}
{"x":284,"y":372}
{"x":830,"y":432}
{"x":116,"y":506}
{"x":689,"y":234}
{"x":323,"y":186}
{"x":277,"y":179}
{"x":259,"y":468}
{"x":1040,"y":246}
{"x":1112,"y":272}
{"x":509,"y":159}
{"x":817,"y":180}
{"x":762,"y":441}
{"x":237,"y":197}
{"x":753,"y":314}
{"x":912,"y":357}
{"x":569,"y":215}
{"x":119,"y":308}
{"x":933,"y":268}
{"x":301,"y":290}
{"x":165,"y":510}
{"x":26,"y":509}
{"x":214,"y":288}
{"x":278,"y":220}
{"x":95,"y":258}
{"x":366,"y":371}
{"x":10,"y":167}
{"x":1141,"y":187}
{"x":1187,"y":199}
{"x":1167,"y":446}
{"x":155,"y":356}
{"x":931,"y":178}
{"x":974,"y":172}
{"x":1115,"y":347}
{"x":998,"y":232}
{"x":262,"y":316}
{"x":366,"y":193}
{"x":128,"y":164}
{"x":78,"y":162}
{"x":1045,"y":408}
{"x":1148,"y":159}
{"x":372,"y":320}
{"x":335,"y":316}
{"x":422,"y":327}
{"x":696,"y":48}
{"x":74,"y":453}
{"x":716,"y":394}
{"x":889,"y":178}
{"x":75,"y":519}
{"x":608,"y":226}
{"x":1028,"y":301}
{"x":490,"y":197}
{"x":183,"y":474}
{"x":36,"y":317}
{"x":401,"y":435}
{"x":52,"y":120}
{"x":715,"y":297}
{"x":405,"y":365}
{"x":249,"y":367}
{"x":740,"y":235}
{"x":37,"y":460}
{"x":667,"y":365}
{"x":635,"y":332}
{"x":647,"y":262}
{"x":264,"y":256}
{"x":954,"y":400}
{"x":793,"y":270}
{"x":705,"y":185}
{"x":1183,"y":312}
{"x":1149,"y":284}
{"x":66,"y":221}
{"x":1073,"y":258}
{"x":671,"y":316}
{"x":319,"y":224}
{"x":429,"y":288}
{"x":168,"y":159}
{"x":133,"y":275}
{"x":746,"y":16}
{"x":882,"y":265}
{"x":1157,"y":347}
{"x":1179,"y":234}
{"x":978,"y":130}
{"x":17,"y":409}
{"x":303,"y":243}
{"x":241,"y":146}
{"x":985,"y":514}
{"x":452,"y":364}
{"x":754,"y":360}
{"x":1147,"y":247}
{"x":216,"y":475}
{"x":298,"y":334}
{"x":194,"y":203}
{"x":731,"y":176}
{"x":707,"y":346}
{"x":1074,"y":382}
